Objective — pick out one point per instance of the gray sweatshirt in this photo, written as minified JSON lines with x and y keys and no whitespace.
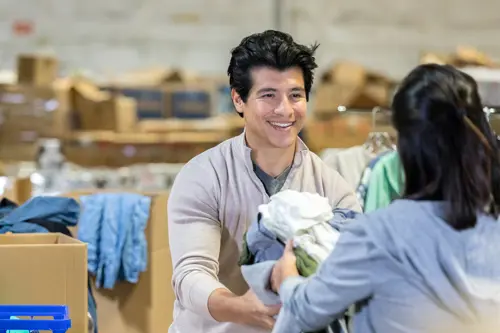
{"x":212,"y":202}
{"x":408,"y":271}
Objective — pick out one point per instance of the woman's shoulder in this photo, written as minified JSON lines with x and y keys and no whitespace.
{"x":406,"y":221}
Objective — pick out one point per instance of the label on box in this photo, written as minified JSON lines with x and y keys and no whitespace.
{"x":129,"y":151}
{"x":191,"y":104}
{"x":225,"y":102}
{"x":28,"y":136}
{"x":150,"y":102}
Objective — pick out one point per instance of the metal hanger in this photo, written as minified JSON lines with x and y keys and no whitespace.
{"x":489,"y":111}
{"x":378,"y":142}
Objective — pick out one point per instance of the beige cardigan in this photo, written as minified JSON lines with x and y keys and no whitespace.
{"x":213,"y":200}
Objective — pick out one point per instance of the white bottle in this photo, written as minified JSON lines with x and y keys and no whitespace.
{"x":51,"y":166}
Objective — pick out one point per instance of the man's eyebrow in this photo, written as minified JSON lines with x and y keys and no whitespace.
{"x":264,"y":90}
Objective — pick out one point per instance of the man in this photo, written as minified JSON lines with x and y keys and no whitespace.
{"x":215,"y":196}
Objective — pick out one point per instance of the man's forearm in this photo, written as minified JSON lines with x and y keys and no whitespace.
{"x":224,"y":306}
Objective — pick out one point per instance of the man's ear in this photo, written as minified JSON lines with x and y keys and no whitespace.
{"x":237,"y":101}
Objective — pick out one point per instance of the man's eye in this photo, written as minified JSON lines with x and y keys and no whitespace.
{"x":268,"y":95}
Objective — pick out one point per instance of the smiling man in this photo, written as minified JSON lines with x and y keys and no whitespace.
{"x":216,"y":195}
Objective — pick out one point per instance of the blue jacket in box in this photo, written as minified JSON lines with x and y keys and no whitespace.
{"x":51,"y":209}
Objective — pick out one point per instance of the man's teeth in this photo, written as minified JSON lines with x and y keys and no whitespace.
{"x":283,"y":125}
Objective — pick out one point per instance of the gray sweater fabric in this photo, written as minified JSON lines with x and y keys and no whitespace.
{"x":212,"y":202}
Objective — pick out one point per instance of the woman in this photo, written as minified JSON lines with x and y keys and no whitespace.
{"x":429,"y":262}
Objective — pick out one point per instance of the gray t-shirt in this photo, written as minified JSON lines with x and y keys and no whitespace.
{"x":272,"y":184}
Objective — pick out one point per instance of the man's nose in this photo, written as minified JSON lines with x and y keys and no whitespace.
{"x":285,"y":108}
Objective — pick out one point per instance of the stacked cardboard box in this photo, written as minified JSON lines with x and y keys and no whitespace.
{"x":463,"y":56}
{"x":166,"y":93}
{"x":37,"y":69}
{"x":147,"y":116}
{"x":111,"y":149}
{"x":36,"y":106}
{"x":348,"y":85}
{"x":100,"y":110}
{"x":477,"y":64}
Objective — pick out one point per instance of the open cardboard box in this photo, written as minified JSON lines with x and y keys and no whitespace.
{"x":45,"y":269}
{"x":145,"y":307}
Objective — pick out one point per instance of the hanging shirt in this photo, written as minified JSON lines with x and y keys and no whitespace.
{"x":386,"y":182}
{"x":350,"y":162}
{"x":112,"y":225}
{"x":362,"y":187}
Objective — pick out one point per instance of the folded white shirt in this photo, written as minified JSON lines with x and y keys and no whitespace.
{"x":302,"y":217}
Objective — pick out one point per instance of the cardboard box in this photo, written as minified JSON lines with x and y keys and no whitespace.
{"x":146,"y":86}
{"x":18,"y":190}
{"x":190,"y":101}
{"x":352,"y":86}
{"x":86,"y":99}
{"x":38,"y":70}
{"x":216,"y":124}
{"x":48,"y":269}
{"x":434,"y":58}
{"x":145,"y":307}
{"x":20,"y":152}
{"x":179,"y":100}
{"x":151,"y":102}
{"x":63,"y":121}
{"x":330,"y":96}
{"x":341,"y":131}
{"x":470,"y":56}
{"x":100,"y":110}
{"x":111,"y":149}
{"x":29,"y":112}
{"x":345,"y":129}
{"x":463,"y":56}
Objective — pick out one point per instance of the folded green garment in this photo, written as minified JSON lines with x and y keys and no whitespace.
{"x":306,"y":265}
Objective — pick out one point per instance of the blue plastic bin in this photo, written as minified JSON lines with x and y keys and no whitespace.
{"x":9,"y":323}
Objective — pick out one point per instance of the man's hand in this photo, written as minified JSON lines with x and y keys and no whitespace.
{"x":256,"y":314}
{"x":284,"y":268}
{"x":244,"y":310}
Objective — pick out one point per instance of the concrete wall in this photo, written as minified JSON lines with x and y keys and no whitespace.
{"x":115,"y":35}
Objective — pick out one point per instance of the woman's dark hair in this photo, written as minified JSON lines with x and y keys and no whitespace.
{"x":446,"y":146}
{"x":272,"y":49}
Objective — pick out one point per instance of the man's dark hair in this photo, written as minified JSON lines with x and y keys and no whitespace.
{"x":447,"y":148}
{"x":272,"y":49}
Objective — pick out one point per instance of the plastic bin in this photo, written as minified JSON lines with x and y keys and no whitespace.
{"x":10,"y":324}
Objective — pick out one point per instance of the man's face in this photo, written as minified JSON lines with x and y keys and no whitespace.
{"x":275,"y":109}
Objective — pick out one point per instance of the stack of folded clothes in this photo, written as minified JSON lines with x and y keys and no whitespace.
{"x":308,"y":220}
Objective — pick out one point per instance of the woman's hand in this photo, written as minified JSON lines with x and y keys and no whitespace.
{"x":285,"y":267}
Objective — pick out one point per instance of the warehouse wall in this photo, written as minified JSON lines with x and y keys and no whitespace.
{"x":115,"y":35}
